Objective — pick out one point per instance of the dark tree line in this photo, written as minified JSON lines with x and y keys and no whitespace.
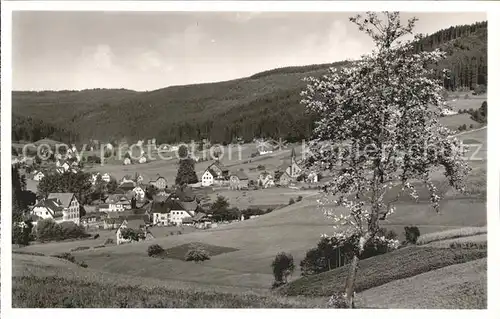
{"x":466,"y":48}
{"x":29,"y":129}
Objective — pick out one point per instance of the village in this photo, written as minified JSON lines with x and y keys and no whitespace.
{"x":142,"y":202}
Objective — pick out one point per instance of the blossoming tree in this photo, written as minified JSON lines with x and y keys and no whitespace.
{"x":379,"y":133}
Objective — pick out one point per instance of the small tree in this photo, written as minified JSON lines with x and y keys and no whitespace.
{"x":291,"y":201}
{"x":186,"y":173}
{"x":197,"y":254}
{"x":282,"y":267}
{"x":412,"y":233}
{"x":155,"y":250}
{"x":382,"y":114}
{"x":48,"y":229}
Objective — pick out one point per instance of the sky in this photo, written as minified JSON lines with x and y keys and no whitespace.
{"x":150,"y":50}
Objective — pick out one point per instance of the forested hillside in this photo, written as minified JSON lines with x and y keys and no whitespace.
{"x":266,"y":104}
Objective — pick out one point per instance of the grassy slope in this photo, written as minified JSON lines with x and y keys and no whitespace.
{"x":461,"y":286}
{"x":379,"y":270}
{"x":66,"y":285}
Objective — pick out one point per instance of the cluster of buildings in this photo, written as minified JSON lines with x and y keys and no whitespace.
{"x":288,"y":172}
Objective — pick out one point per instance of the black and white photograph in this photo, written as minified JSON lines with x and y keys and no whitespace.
{"x":247,"y":159}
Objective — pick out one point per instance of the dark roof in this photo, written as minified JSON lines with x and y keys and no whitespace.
{"x":127,"y":186}
{"x":241,"y":175}
{"x":64,"y":198}
{"x":52,"y":205}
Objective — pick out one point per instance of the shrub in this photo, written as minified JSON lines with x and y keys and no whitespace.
{"x":172,"y":233}
{"x":80,"y":248}
{"x":65,"y":256}
{"x":155,"y":250}
{"x":261,"y":167}
{"x":197,"y":254}
{"x":179,"y":232}
{"x":72,"y":230}
{"x":471,"y":126}
{"x":132,"y":234}
{"x":291,"y":201}
{"x":22,"y":234}
{"x":299,"y":198}
{"x":411,"y":234}
{"x":383,"y":232}
{"x":282,"y":266}
{"x":99,"y":246}
{"x":480,"y":89}
{"x":96,"y":236}
{"x":48,"y":229}
{"x":109,"y":241}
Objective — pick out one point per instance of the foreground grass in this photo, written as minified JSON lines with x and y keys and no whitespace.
{"x":379,"y":270}
{"x":55,"y":292}
{"x":450,"y":234}
{"x":462,"y":286}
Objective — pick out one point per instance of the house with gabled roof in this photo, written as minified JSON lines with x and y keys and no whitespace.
{"x":160,"y":182}
{"x":284,"y":179}
{"x":266,"y":180}
{"x":238,"y":180}
{"x":48,"y":208}
{"x":70,"y":205}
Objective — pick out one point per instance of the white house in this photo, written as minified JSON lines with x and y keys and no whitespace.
{"x":207,"y":179}
{"x":69,"y":204}
{"x":142,"y":159}
{"x":448,"y":112}
{"x":48,"y":208}
{"x":312,"y":177}
{"x":139,"y":192}
{"x":266,"y":180}
{"x":38,"y":176}
{"x":106,"y":177}
{"x":172,"y":211}
{"x":111,"y":207}
{"x":126,"y":161}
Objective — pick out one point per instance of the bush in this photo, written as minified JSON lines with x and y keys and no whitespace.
{"x":132,"y":234}
{"x":480,"y":89}
{"x":96,"y":236}
{"x":299,"y":198}
{"x":196,"y":254}
{"x":283,"y":267}
{"x":72,"y":230}
{"x":155,"y":250}
{"x":291,"y":201}
{"x":411,"y":234}
{"x":337,"y":251}
{"x":179,"y":232}
{"x":471,"y":126}
{"x":47,"y":230}
{"x":80,"y":248}
{"x":109,"y":241}
{"x":22,"y":234}
{"x":99,"y":246}
{"x":383,"y":232}
{"x":66,"y":256}
{"x":261,"y":167}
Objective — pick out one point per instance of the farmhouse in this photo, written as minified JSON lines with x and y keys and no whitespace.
{"x":70,"y":205}
{"x":139,"y":193}
{"x":127,"y":161}
{"x":207,"y":179}
{"x":266,"y":180}
{"x":38,"y":176}
{"x":160,"y":182}
{"x":48,"y":208}
{"x":284,"y":179}
{"x":312,"y":177}
{"x":238,"y":180}
{"x":120,"y":200}
{"x":291,"y":168}
{"x":136,"y":224}
{"x":106,"y":177}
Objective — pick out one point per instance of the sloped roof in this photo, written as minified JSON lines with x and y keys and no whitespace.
{"x":241,"y":175}
{"x":189,"y":206}
{"x":64,"y":198}
{"x":52,"y":206}
{"x":127,"y":186}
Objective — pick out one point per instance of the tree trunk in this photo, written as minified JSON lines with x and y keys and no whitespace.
{"x":349,"y":285}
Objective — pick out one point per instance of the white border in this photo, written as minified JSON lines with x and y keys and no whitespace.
{"x":413,"y":6}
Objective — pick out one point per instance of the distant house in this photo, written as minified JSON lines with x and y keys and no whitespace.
{"x":173,"y":210}
{"x":238,"y":180}
{"x":110,"y":207}
{"x":139,"y":179}
{"x":70,"y":205}
{"x":312,"y":177}
{"x":62,"y":165}
{"x":291,"y":168}
{"x":38,"y":176}
{"x":93,"y":178}
{"x":285,"y":179}
{"x":266,"y":180}
{"x":106,"y":177}
{"x":160,"y":182}
{"x":136,"y":224}
{"x":48,"y":208}
{"x":142,"y":159}
{"x":127,"y":161}
{"x":127,"y":186}
{"x":119,"y":199}
{"x":139,"y":192}
{"x":207,"y":179}
{"x":448,"y":112}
